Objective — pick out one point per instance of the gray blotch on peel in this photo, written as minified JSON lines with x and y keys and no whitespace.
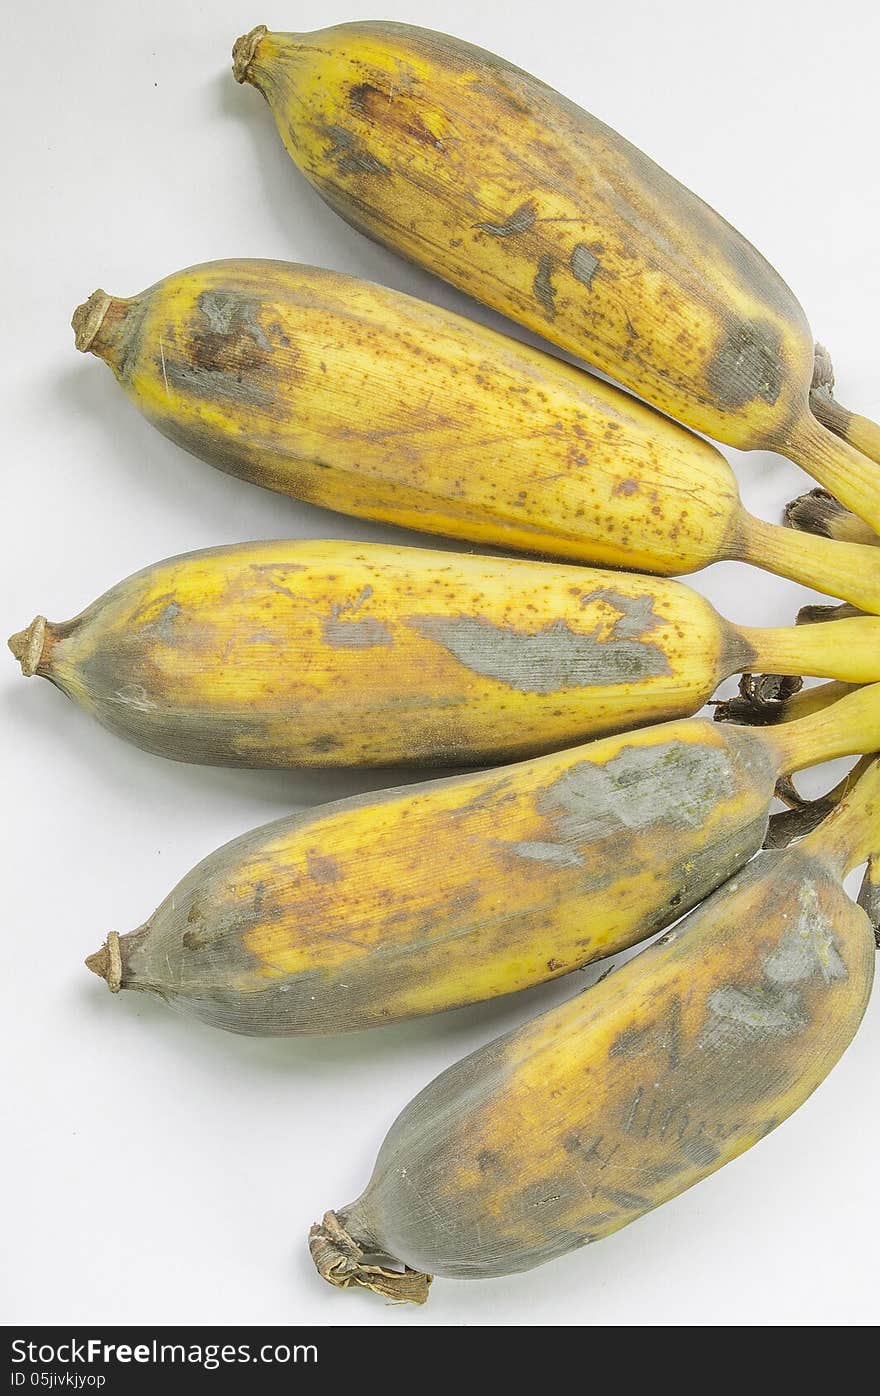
{"x":520,"y":221}
{"x":676,"y":783}
{"x":747,"y":365}
{"x":543,"y":286}
{"x":226,"y":312}
{"x":165,"y":623}
{"x":356,"y":634}
{"x":743,"y":1015}
{"x":807,"y":947}
{"x":700,"y":1151}
{"x":350,"y":156}
{"x":556,"y":657}
{"x":583,"y":264}
{"x":558,"y":855}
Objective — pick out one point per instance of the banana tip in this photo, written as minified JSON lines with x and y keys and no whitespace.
{"x":27,"y":645}
{"x":340,"y":1261}
{"x":107,"y":963}
{"x":243,"y":51}
{"x":88,"y":318}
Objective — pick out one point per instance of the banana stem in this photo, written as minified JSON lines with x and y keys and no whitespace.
{"x":848,"y":473}
{"x":850,"y":571}
{"x":848,"y":650}
{"x":819,"y":512}
{"x":859,"y":431}
{"x":849,"y":727}
{"x":851,"y":832}
{"x":803,"y":816}
{"x":765,"y":699}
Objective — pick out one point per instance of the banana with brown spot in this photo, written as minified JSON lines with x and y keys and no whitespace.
{"x":351,"y":654}
{"x":594,"y":1113}
{"x":409,"y":901}
{"x":484,"y":175}
{"x":360,"y":399}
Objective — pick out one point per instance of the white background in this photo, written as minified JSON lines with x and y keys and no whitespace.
{"x":158,"y":1171}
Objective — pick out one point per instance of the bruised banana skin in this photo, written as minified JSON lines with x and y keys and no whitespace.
{"x":409,"y":901}
{"x":484,"y":175}
{"x":363,"y":400}
{"x":349,"y":654}
{"x":592,"y":1114}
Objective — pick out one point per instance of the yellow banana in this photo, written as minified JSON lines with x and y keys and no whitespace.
{"x":409,"y":901}
{"x":576,"y":1124}
{"x":364,"y":400}
{"x":332,"y":653}
{"x":484,"y":175}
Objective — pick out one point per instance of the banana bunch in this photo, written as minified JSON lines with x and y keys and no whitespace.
{"x":619,"y":811}
{"x":578,"y":1123}
{"x":334,"y":920}
{"x":487,"y":177}
{"x":367,"y":401}
{"x":329,"y":653}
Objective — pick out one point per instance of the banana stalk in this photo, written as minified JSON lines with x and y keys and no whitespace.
{"x":409,"y":901}
{"x":335,"y":653}
{"x":859,"y":431}
{"x":485,"y":176}
{"x":574,"y":1125}
{"x":360,"y":399}
{"x":819,"y":513}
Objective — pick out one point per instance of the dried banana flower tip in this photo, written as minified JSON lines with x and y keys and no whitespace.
{"x":27,"y":645}
{"x":107,"y":963}
{"x":340,"y":1261}
{"x":243,"y":51}
{"x":88,"y":318}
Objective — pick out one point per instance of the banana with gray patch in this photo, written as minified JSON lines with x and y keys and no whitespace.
{"x":581,"y":1121}
{"x":484,"y":175}
{"x":360,"y":399}
{"x":314,"y":653}
{"x":405,"y":902}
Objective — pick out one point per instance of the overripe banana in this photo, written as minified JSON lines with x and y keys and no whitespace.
{"x":486,"y":176}
{"x":336,"y":653}
{"x":358,"y":398}
{"x":584,"y":1119}
{"x":409,"y":901}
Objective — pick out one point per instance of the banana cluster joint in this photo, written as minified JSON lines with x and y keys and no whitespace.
{"x":581,"y":1121}
{"x":483,"y":175}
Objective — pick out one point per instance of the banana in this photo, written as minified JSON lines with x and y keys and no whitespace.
{"x":409,"y":901}
{"x":363,"y":400}
{"x":335,"y":653}
{"x":485,"y":176}
{"x":574,"y":1125}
